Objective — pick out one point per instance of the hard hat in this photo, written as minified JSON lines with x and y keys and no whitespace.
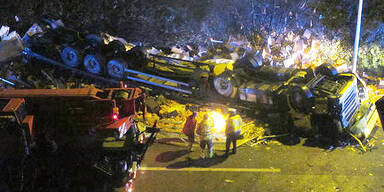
{"x":232,"y":110}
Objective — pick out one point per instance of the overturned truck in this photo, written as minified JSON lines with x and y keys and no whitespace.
{"x":323,"y":101}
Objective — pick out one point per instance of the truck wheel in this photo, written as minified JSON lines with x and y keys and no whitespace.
{"x":94,"y":40}
{"x":93,"y":63}
{"x":327,"y":70}
{"x":116,"y":67}
{"x":70,"y":56}
{"x":137,"y":56}
{"x":116,"y":47}
{"x":301,"y":99}
{"x":223,"y":85}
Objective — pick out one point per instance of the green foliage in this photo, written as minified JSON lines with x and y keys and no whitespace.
{"x":374,"y":10}
{"x":372,"y":59}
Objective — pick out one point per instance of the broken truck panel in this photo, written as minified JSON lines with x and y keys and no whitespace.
{"x":82,"y":93}
{"x":16,"y":108}
{"x":10,"y":49}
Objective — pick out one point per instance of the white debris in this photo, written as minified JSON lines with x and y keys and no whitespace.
{"x":12,"y":35}
{"x":17,"y":19}
{"x":153,"y":51}
{"x":57,"y":24}
{"x":234,"y":56}
{"x":11,"y":47}
{"x":269,"y":41}
{"x":34,"y":29}
{"x":174,"y":55}
{"x":307,"y":34}
{"x":237,"y":43}
{"x":4,"y":30}
{"x":177,"y":50}
{"x":216,"y":41}
{"x":202,"y":51}
{"x":289,"y":62}
{"x":109,"y":38}
{"x":381,"y":85}
{"x":187,"y":58}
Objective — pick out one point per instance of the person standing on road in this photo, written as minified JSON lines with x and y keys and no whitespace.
{"x":205,"y":132}
{"x":189,"y":129}
{"x":233,"y":131}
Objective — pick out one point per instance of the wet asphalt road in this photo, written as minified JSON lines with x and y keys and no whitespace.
{"x":264,"y":168}
{"x":272,"y":167}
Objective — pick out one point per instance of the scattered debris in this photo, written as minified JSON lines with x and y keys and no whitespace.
{"x":229,"y":181}
{"x":10,"y":47}
{"x":4,"y":31}
{"x":171,"y":115}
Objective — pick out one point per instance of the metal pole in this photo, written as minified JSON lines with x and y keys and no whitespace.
{"x":357,"y":37}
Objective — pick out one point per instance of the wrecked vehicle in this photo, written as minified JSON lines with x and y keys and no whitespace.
{"x":326,"y":101}
{"x":114,"y":58}
{"x":101,"y":122}
{"x":302,"y":98}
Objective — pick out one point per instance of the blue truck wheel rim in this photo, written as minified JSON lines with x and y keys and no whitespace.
{"x":115,"y":69}
{"x":92,"y":64}
{"x":70,"y":57}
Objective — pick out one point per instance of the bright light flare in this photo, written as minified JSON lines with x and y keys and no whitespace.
{"x":218,"y":121}
{"x":141,"y":138}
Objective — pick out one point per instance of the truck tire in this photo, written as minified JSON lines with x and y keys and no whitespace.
{"x":327,"y":70}
{"x":94,"y":40}
{"x":138,"y":57}
{"x":116,"y":67}
{"x":223,"y":85}
{"x":93,"y":63}
{"x":300,"y":98}
{"x":116,"y":47}
{"x":70,"y":56}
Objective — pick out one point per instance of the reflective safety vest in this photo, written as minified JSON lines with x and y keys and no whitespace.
{"x":205,"y":130}
{"x":234,"y":124}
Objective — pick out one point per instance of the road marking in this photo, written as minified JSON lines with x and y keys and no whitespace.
{"x":272,"y":170}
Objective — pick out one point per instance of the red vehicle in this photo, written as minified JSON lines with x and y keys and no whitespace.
{"x":53,"y":118}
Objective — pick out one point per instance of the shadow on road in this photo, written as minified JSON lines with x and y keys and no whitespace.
{"x":198,"y":162}
{"x":170,"y":155}
{"x":289,"y":140}
{"x":328,"y":144}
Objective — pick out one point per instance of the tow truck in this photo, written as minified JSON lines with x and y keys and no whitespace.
{"x":54,"y":118}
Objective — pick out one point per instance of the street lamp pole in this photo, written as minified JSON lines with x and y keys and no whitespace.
{"x":357,"y":37}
